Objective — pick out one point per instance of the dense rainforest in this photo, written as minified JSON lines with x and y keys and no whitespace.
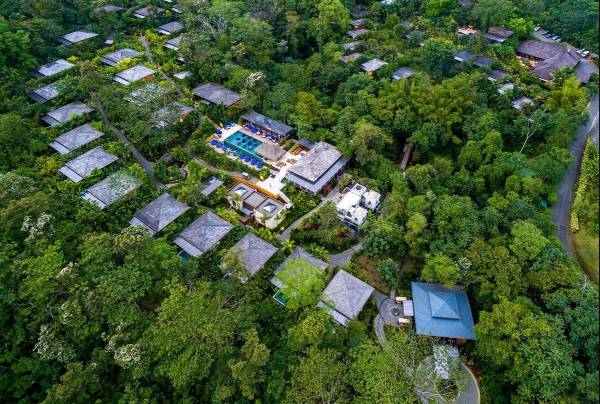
{"x":94,"y":310}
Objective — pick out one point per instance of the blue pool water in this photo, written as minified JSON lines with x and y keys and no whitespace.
{"x":244,"y":144}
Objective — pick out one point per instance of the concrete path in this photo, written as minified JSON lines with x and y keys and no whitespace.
{"x":286,"y":234}
{"x":139,"y":157}
{"x":342,"y":259}
{"x":379,"y":322}
{"x":561,"y":211}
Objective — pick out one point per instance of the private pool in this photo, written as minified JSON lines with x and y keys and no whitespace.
{"x":244,"y":144}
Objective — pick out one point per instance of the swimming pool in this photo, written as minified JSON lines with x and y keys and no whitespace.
{"x":244,"y":144}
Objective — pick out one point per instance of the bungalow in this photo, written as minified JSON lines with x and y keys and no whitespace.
{"x":498,"y":35}
{"x":52,"y":68}
{"x":351,"y":45}
{"x":148,"y":11}
{"x":76,"y":37}
{"x":117,"y":56}
{"x":351,"y":57}
{"x":110,"y":189}
{"x":182,"y":75}
{"x":344,"y":297}
{"x":403,"y":73}
{"x":133,"y":74}
{"x":211,"y":93}
{"x":506,"y":87}
{"x":110,"y":8}
{"x":211,"y":186}
{"x":172,"y":113}
{"x":144,"y":95}
{"x":254,"y":254}
{"x":442,"y":312}
{"x":313,"y":171}
{"x":253,"y":202}
{"x":267,"y":125}
{"x":352,"y":204}
{"x":357,"y":32}
{"x":297,"y":254}
{"x":359,"y":23}
{"x":522,"y":102}
{"x":159,"y":213}
{"x":173,"y":43}
{"x":75,"y":138}
{"x":467,"y":31}
{"x":203,"y":234}
{"x":45,"y":93}
{"x":548,"y":57}
{"x":170,"y":28}
{"x":464,"y":56}
{"x":177,"y":9}
{"x":64,"y":114}
{"x":372,"y":66}
{"x":82,"y":166}
{"x":496,"y":75}
{"x":483,"y":61}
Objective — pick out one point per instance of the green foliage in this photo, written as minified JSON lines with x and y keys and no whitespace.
{"x":388,"y":270}
{"x":303,"y":283}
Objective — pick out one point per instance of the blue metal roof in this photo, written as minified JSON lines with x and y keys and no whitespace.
{"x":441,"y":311}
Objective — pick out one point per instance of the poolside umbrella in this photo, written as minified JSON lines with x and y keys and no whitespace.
{"x":253,"y":162}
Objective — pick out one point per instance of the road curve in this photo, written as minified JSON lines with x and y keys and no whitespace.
{"x":561,"y":211}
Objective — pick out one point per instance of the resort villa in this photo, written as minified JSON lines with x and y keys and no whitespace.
{"x":82,"y":166}
{"x":403,"y":73}
{"x":344,"y":297}
{"x":353,"y":204}
{"x":211,"y":93}
{"x":203,"y":234}
{"x":297,"y":254}
{"x":350,"y":57}
{"x":44,"y":93}
{"x":52,"y":68}
{"x":315,"y":170}
{"x":170,"y":28}
{"x":522,"y":102}
{"x":133,"y":74}
{"x":254,"y":254}
{"x":546,"y":58}
{"x":372,"y":66}
{"x":173,"y":43}
{"x":77,"y":37}
{"x":64,"y":114}
{"x":253,"y":201}
{"x":75,"y":138}
{"x":110,"y":189}
{"x":159,"y":213}
{"x":264,"y":125}
{"x":117,"y":56}
{"x":442,"y":312}
{"x":146,"y":12}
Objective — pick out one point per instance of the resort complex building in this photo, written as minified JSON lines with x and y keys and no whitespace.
{"x":159,"y":213}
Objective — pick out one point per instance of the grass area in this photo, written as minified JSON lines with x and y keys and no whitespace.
{"x":586,"y":250}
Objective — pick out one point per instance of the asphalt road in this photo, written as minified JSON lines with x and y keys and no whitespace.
{"x":561,"y":211}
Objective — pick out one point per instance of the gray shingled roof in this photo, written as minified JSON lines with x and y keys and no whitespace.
{"x":464,"y":56}
{"x":110,"y":8}
{"x":496,"y":75}
{"x":203,"y":234}
{"x":346,"y":294}
{"x":271,"y":151}
{"x":357,"y":32}
{"x":269,"y":208}
{"x":553,"y":56}
{"x":267,"y":123}
{"x":133,"y":74}
{"x":45,"y":93}
{"x":65,"y":113}
{"x":75,"y":138}
{"x":521,"y":102}
{"x":110,"y":189}
{"x":147,"y":11}
{"x":403,"y":73}
{"x":173,"y":43}
{"x":316,"y":162}
{"x":298,"y":253}
{"x":52,"y":68}
{"x":115,"y":57}
{"x":77,"y":37}
{"x":255,"y":252}
{"x":373,"y":65}
{"x":82,"y":166}
{"x":159,"y":213}
{"x":351,"y":45}
{"x":483,"y":61}
{"x":170,"y":28}
{"x":216,"y":94}
{"x":539,"y":49}
{"x":211,"y":185}
{"x":350,"y":57}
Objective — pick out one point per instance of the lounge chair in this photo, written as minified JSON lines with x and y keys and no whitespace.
{"x":400,"y":299}
{"x":403,"y":321}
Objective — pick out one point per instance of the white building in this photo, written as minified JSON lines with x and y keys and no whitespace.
{"x":353,"y":204}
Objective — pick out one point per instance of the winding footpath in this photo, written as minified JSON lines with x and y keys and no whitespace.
{"x":561,"y":211}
